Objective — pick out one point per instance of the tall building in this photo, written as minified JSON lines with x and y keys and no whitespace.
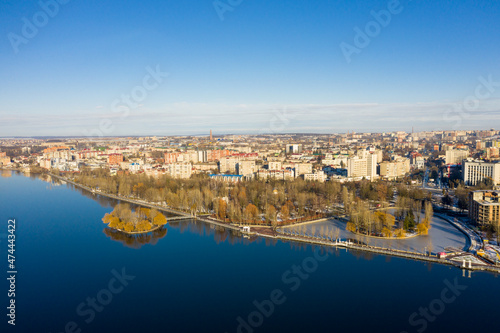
{"x":455,"y":156}
{"x":228,"y":164}
{"x":293,"y":148}
{"x":476,"y":171}
{"x":492,"y":152}
{"x":362,"y":166}
{"x":395,"y":169}
{"x":484,"y":207}
{"x":357,"y":167}
{"x":202,"y":156}
{"x":303,"y":168}
{"x":217,"y":154}
{"x":4,"y":159}
{"x":211,"y":138}
{"x":274,"y":165}
{"x":114,"y":159}
{"x":371,"y":165}
{"x":180,"y":170}
{"x":246,"y":168}
{"x":190,"y":156}
{"x":87,"y":153}
{"x":171,"y":157}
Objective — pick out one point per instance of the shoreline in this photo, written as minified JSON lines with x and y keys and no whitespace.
{"x":132,"y":233}
{"x":146,"y":204}
{"x":208,"y":219}
{"x":308,"y":240}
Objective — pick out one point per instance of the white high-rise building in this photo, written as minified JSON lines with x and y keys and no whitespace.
{"x":455,"y":156}
{"x":476,"y":171}
{"x":362,"y":167}
{"x":371,"y":165}
{"x":394,"y":169}
{"x":293,"y":148}
{"x":202,"y":156}
{"x":357,"y":167}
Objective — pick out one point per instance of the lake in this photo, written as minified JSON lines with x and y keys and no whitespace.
{"x":75,"y":275}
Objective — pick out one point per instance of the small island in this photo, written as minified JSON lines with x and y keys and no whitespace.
{"x":142,"y":220}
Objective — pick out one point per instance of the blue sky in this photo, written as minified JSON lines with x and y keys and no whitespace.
{"x":268,"y":66}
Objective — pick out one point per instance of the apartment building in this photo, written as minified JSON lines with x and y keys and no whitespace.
{"x":4,"y":159}
{"x":115,"y":159}
{"x":216,"y":155}
{"x":227,"y":178}
{"x":362,"y":166}
{"x":484,"y":207}
{"x":302,"y":169}
{"x":179,"y":170}
{"x":455,"y":156}
{"x":293,"y":148}
{"x":246,"y":168}
{"x":476,"y":171}
{"x":274,"y":165}
{"x":417,"y":161}
{"x":357,"y":167}
{"x":87,"y":153}
{"x":283,"y":174}
{"x":317,"y":176}
{"x":395,"y":169}
{"x":188,"y":157}
{"x":228,"y":164}
{"x":371,"y":165}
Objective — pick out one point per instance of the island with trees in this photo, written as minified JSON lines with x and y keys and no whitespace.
{"x":142,"y":220}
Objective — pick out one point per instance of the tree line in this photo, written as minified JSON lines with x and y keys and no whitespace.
{"x":363,"y":218}
{"x":141,"y":220}
{"x":271,"y":202}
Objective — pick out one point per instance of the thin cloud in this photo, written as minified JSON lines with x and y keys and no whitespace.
{"x":190,"y":118}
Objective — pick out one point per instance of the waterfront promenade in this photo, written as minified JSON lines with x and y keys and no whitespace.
{"x":469,"y":265}
{"x":464,"y":264}
{"x":150,"y":205}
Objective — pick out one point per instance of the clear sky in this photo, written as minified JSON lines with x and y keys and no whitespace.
{"x":250,"y":66}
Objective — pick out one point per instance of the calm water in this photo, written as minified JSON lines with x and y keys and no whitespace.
{"x":193,"y":278}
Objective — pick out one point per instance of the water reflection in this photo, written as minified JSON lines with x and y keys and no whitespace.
{"x":218,"y":233}
{"x":363,"y":255}
{"x":307,"y":247}
{"x":6,"y":173}
{"x":136,"y":241}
